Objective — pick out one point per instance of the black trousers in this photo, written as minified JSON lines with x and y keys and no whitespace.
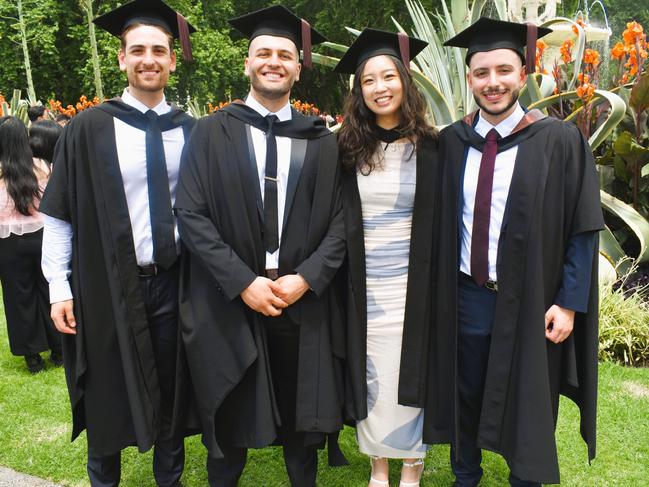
{"x":161,"y":303}
{"x":300,"y":449}
{"x":476,"y":309}
{"x":26,"y":296}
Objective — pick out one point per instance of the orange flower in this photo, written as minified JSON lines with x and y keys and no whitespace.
{"x":581,"y":23}
{"x":585,"y":92}
{"x":633,"y":33}
{"x":618,"y":52}
{"x":583,"y":78}
{"x":634,"y":59}
{"x":566,"y":51}
{"x":541,"y":46}
{"x":591,"y":56}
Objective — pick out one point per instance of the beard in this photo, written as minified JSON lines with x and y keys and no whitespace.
{"x":514,"y":98}
{"x":274,"y":92}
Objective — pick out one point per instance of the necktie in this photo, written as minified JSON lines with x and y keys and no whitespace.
{"x":482,"y":211}
{"x":271,"y":237}
{"x":162,"y":224}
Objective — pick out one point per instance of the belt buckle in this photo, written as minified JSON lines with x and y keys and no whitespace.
{"x":148,"y":270}
{"x":491,"y":285}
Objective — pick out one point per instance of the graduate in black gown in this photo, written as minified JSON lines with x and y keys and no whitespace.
{"x":517,"y":267}
{"x":259,"y":211}
{"x":390,"y":188}
{"x":110,"y":252}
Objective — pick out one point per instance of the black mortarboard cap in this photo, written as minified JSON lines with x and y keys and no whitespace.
{"x":280,"y":22}
{"x":488,"y":34}
{"x":150,"y":12}
{"x":374,"y":42}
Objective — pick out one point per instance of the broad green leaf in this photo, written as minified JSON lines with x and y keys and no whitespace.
{"x":323,"y":60}
{"x":626,"y":146}
{"x":610,"y":248}
{"x":632,"y":218}
{"x":615,"y":116}
{"x":437,"y":104}
{"x":501,"y":8}
{"x":639,"y":99}
{"x":336,"y":47}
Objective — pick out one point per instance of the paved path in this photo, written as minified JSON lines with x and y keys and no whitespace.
{"x":11,"y":478}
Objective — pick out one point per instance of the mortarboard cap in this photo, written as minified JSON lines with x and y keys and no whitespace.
{"x":280,"y":22}
{"x":374,"y":42}
{"x":150,"y":12}
{"x":488,"y":34}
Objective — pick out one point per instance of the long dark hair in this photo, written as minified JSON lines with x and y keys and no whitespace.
{"x":17,"y":165}
{"x":43,"y":135}
{"x":357,"y":139}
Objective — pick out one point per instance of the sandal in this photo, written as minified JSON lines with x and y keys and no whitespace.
{"x":375,"y":482}
{"x":417,"y":463}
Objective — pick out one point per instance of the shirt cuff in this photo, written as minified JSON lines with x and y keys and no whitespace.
{"x":60,"y":291}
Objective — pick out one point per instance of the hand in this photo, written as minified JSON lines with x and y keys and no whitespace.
{"x":260,"y":296}
{"x":291,"y":288}
{"x":63,"y":317}
{"x":558,"y":323}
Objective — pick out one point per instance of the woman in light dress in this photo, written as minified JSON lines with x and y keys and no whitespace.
{"x":388,"y":153}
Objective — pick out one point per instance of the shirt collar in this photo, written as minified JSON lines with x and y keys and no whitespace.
{"x":283,"y":113}
{"x":161,"y":108}
{"x":505,"y":127}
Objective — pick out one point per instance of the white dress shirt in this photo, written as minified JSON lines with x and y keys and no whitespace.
{"x":283,"y":166}
{"x":131,"y":153}
{"x":503,"y":171}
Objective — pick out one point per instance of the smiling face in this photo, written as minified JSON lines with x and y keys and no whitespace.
{"x":273,"y":67}
{"x":496,"y":78}
{"x":382,"y":90}
{"x":147,"y":60}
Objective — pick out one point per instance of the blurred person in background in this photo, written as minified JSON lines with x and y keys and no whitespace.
{"x":43,"y":135}
{"x":24,"y":289}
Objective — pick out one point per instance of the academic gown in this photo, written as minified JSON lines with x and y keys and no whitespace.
{"x":109,"y":364}
{"x":417,"y":329}
{"x":220,"y":219}
{"x":554,"y":195}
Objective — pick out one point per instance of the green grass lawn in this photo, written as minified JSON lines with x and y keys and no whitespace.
{"x":35,"y":439}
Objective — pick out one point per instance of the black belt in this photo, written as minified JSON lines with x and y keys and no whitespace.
{"x":149,"y":270}
{"x":490,"y":284}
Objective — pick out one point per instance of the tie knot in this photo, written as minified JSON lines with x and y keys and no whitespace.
{"x":493,"y":135}
{"x":151,"y":115}
{"x":271,"y":119}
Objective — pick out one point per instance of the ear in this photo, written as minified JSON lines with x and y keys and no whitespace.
{"x":523,"y":76}
{"x":172,"y":66}
{"x":121,"y":57}
{"x":246,"y":67}
{"x":469,"y":79}
{"x":298,"y":71}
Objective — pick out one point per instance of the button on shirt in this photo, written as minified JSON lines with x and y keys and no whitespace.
{"x":283,"y":166}
{"x":503,"y":171}
{"x":131,"y":153}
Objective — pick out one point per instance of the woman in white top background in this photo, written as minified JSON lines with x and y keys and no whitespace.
{"x":24,"y":289}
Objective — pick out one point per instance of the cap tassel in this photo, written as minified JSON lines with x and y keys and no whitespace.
{"x":530,"y":53}
{"x":404,"y":49}
{"x":306,"y":44}
{"x":183,"y":35}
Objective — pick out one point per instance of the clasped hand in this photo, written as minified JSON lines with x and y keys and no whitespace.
{"x":270,"y":297}
{"x":558,"y":323}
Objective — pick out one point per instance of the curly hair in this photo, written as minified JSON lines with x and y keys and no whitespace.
{"x":357,"y":139}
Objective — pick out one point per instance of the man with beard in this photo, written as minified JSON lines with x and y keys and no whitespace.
{"x":517,"y":268}
{"x":109,"y":228}
{"x":259,"y":209}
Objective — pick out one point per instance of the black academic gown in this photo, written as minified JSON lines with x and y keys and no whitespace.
{"x":220,"y":218}
{"x":417,"y":329}
{"x":109,"y":364}
{"x":554,"y":195}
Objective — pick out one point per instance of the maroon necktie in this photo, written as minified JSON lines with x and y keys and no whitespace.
{"x":482,"y":211}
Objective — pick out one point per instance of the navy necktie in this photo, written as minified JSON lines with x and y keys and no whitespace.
{"x":271,"y":233}
{"x":482,"y":211}
{"x":162,"y":223}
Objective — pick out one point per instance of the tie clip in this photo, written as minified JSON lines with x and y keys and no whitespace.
{"x":271,"y":179}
